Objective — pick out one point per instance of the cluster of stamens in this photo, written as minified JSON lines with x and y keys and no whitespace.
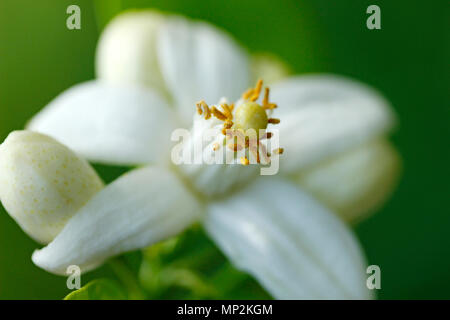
{"x":252,"y":94}
{"x":226,"y":115}
{"x":252,"y":116}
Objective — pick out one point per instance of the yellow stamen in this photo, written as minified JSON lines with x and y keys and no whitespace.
{"x":266,"y":104}
{"x":247,"y":94}
{"x":225,"y":131}
{"x":206,"y":109}
{"x":244,"y":161}
{"x":216,"y":146}
{"x":273,"y":120}
{"x":270,"y":106}
{"x":253,"y":93}
{"x":219,"y":115}
{"x":199,"y":105}
{"x":227,"y":111}
{"x":207,"y":112}
{"x":267,"y":136}
{"x":257,"y":91}
{"x":266,"y":97}
{"x":278,"y":151}
{"x":227,"y":125}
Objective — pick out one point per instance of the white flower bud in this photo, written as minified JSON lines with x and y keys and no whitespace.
{"x":268,"y":67}
{"x":355,"y":183}
{"x":126,"y":52}
{"x":43,"y":183}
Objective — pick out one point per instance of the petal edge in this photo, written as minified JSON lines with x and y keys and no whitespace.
{"x":290,"y":243}
{"x":134,"y":211}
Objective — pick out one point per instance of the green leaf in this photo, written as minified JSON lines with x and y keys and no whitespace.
{"x":127,"y":278}
{"x":100,"y":289}
{"x":190,"y":266}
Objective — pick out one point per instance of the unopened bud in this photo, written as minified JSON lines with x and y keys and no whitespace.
{"x":43,"y":183}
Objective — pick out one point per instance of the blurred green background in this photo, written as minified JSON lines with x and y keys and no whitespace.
{"x":408,"y":60}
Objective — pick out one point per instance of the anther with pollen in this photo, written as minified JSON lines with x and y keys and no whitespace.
{"x":252,"y":94}
{"x":273,"y":120}
{"x":267,"y":136}
{"x":257,"y":91}
{"x":226,"y":126}
{"x":227,"y":111}
{"x":219,"y":115}
{"x":266,"y":104}
{"x":245,"y":161}
{"x":278,"y":151}
{"x":202,"y":104}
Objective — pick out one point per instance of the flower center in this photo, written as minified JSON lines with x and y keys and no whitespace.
{"x":227,"y":140}
{"x":246,"y":124}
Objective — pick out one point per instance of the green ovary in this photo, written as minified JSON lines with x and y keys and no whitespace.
{"x":250,"y":115}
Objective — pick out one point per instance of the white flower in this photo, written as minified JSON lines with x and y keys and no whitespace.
{"x":152,"y":70}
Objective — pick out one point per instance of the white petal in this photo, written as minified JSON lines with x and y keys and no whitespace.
{"x":140,"y":208}
{"x":322,"y":115}
{"x":43,"y":183}
{"x":126,"y":52}
{"x":200,"y":62}
{"x":295,"y":248}
{"x":355,"y":183}
{"x":110,"y":124}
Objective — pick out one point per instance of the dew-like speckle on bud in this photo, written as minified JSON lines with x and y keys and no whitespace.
{"x":43,"y":183}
